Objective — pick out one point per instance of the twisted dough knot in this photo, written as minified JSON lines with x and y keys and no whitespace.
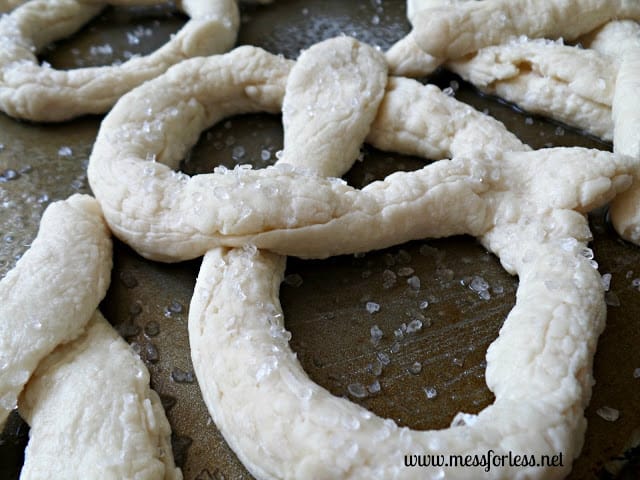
{"x":489,"y":44}
{"x":40,"y":93}
{"x":74,"y":378}
{"x":525,"y":206}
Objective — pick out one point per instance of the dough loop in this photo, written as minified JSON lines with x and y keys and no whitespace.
{"x":539,"y":368}
{"x":36,"y":92}
{"x":592,"y":88}
{"x":76,"y":381}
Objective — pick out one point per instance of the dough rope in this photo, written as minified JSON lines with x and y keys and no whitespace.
{"x":169,"y":216}
{"x":121,"y":432}
{"x":70,"y":264}
{"x":56,"y":348}
{"x":451,"y":33}
{"x":542,"y":381}
{"x":593,"y":89}
{"x":40,"y":93}
{"x":625,"y":210}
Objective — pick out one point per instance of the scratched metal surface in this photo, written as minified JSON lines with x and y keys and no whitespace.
{"x":422,"y":284}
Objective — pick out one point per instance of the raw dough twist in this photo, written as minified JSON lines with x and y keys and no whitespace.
{"x":57,"y":351}
{"x":539,"y":367}
{"x":40,"y":93}
{"x":70,"y":264}
{"x":538,"y":232}
{"x":594,"y":89}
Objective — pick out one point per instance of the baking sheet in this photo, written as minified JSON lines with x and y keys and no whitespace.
{"x":332,"y":305}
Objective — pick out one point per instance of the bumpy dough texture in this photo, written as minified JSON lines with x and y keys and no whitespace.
{"x":52,"y":292}
{"x":451,"y":33}
{"x":93,"y":415}
{"x":34,"y":92}
{"x":569,"y":84}
{"x":625,"y":210}
{"x":528,"y":206}
{"x":162,"y":214}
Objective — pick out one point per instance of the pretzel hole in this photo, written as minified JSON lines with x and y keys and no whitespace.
{"x":115,"y":36}
{"x":401,"y":331}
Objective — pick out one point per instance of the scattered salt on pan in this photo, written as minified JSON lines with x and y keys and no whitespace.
{"x":606,"y":281}
{"x":414,"y":326}
{"x":458,"y":362}
{"x":357,"y":390}
{"x":151,"y":353}
{"x":608,"y":413}
{"x":376,"y":334}
{"x":448,"y":91}
{"x":375,"y":20}
{"x":375,"y":368}
{"x":383,"y":358}
{"x":528,"y":121}
{"x":395,"y":347}
{"x":415,"y":368}
{"x":372,"y":307}
{"x":374,"y":387}
{"x":636,"y":373}
{"x":238,"y":152}
{"x":265,"y":155}
{"x":181,"y":376}
{"x":430,"y":392}
{"x":65,"y":151}
{"x":414,"y":282}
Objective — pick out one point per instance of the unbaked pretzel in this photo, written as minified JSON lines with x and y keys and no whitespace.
{"x":500,"y":197}
{"x":80,"y":385}
{"x":40,"y":93}
{"x":282,"y":425}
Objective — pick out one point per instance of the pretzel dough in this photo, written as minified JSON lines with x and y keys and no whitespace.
{"x":454,"y":32}
{"x":70,"y":264}
{"x":569,"y":84}
{"x":34,"y":92}
{"x":541,"y":391}
{"x":160,"y":213}
{"x":93,"y":415}
{"x":625,"y":210}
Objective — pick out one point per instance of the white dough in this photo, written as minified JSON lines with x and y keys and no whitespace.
{"x":52,"y":292}
{"x":93,"y":415}
{"x":40,"y":93}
